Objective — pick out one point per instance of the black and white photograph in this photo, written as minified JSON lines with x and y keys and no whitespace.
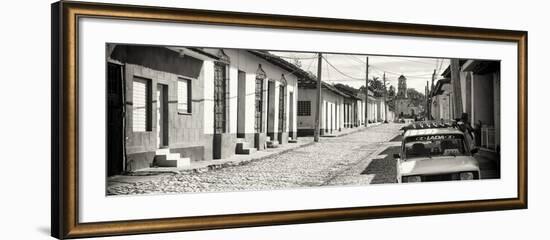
{"x":275,"y":119}
{"x":186,"y":119}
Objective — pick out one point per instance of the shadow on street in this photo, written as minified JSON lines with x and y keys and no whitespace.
{"x":383,"y":169}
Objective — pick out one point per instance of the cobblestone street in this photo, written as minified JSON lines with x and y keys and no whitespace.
{"x":349,"y":159}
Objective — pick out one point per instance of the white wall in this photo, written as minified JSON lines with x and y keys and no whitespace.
{"x":25,"y":204}
{"x":248,"y":63}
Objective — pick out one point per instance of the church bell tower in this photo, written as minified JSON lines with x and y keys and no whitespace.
{"x":402,"y":87}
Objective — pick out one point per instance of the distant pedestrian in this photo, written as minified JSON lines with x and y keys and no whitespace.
{"x":464,"y":126}
{"x":477,"y":132}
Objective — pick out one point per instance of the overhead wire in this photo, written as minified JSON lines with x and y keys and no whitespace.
{"x":338,"y":70}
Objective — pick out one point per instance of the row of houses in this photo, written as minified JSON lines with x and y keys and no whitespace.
{"x":341,"y":107}
{"x":480,"y":95}
{"x":170,"y":106}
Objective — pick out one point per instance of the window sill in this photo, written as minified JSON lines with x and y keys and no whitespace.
{"x":184,"y":113}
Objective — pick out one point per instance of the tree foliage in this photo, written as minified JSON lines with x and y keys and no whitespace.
{"x":377,"y":87}
{"x":391,"y":91}
{"x":417,"y":98}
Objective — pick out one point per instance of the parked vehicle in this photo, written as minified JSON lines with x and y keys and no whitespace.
{"x":435,"y":152}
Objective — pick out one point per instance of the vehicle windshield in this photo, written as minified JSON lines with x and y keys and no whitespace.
{"x":435,"y":145}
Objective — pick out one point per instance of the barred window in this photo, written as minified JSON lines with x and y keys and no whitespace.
{"x":184,"y":95}
{"x":304,"y":108}
{"x":220,"y":85}
{"x":141,"y":100}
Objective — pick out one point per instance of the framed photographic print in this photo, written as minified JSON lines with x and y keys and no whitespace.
{"x":167,"y":119}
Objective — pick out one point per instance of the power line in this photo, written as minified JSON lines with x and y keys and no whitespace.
{"x":416,"y":61}
{"x":297,"y":58}
{"x":328,"y":69}
{"x":338,"y":70}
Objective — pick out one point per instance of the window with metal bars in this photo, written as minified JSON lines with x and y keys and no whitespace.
{"x":220,"y":83}
{"x":282,"y":116}
{"x":259,"y":95}
{"x":304,"y":108}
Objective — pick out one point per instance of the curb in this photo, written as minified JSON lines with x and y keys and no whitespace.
{"x":216,"y":166}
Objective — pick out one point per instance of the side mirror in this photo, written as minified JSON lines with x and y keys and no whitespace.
{"x":474,"y":150}
{"x":396,"y":155}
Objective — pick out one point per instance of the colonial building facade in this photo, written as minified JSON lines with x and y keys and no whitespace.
{"x":339,"y":109}
{"x":480,"y":82}
{"x":170,"y":106}
{"x":480,"y":95}
{"x":336,"y":108}
{"x":441,"y":100}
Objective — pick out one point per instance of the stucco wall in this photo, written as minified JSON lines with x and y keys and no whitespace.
{"x":332,"y":104}
{"x":195,"y":130}
{"x":242,"y":60}
{"x":184,"y":130}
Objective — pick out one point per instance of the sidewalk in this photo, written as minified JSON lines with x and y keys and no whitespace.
{"x":154,"y":173}
{"x":235,"y":160}
{"x":489,"y":164}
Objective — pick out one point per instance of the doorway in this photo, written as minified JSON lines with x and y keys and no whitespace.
{"x":162,"y":116}
{"x":241,"y":104}
{"x":115,"y":119}
{"x":291,"y":115}
{"x":271,"y":128}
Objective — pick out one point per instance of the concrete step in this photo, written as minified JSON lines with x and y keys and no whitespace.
{"x":244,"y":148}
{"x":178,"y":163}
{"x":164,"y":158}
{"x":247,"y":151}
{"x":272,"y":144}
{"x":169,"y":156}
{"x":162,"y":151}
{"x":241,"y":145}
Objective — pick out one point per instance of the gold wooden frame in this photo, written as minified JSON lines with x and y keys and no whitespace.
{"x":65,"y":129}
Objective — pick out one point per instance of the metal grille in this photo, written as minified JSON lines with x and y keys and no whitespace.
{"x":439,"y":177}
{"x":282,"y":116}
{"x":259,"y":104}
{"x":219,"y":97}
{"x":304,"y":108}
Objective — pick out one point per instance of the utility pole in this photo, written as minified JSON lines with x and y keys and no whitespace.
{"x":433,"y":79}
{"x":385,"y":99}
{"x":455,"y":81}
{"x":319,"y":84}
{"x":426,"y":90}
{"x":429,"y":92}
{"x":367,"y":92}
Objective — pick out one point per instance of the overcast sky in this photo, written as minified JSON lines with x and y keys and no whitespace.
{"x":350,"y":69}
